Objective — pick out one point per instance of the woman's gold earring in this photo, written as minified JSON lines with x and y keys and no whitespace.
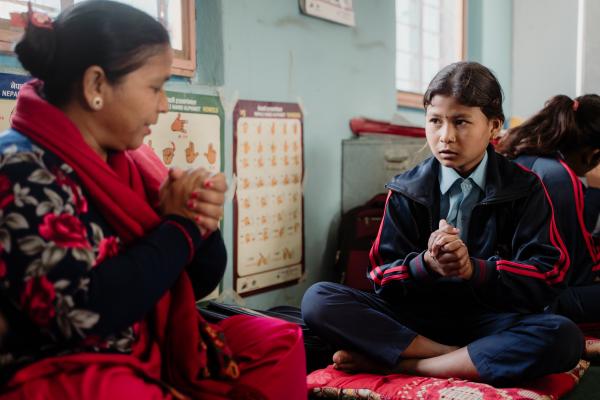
{"x":97,"y":103}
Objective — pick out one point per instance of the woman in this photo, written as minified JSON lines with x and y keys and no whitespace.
{"x":561,"y":143}
{"x":103,"y":255}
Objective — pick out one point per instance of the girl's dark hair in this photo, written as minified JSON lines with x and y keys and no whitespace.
{"x":114,"y":36}
{"x":563,"y":124}
{"x":471,"y":84}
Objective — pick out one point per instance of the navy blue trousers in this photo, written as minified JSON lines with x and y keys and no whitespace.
{"x":504,"y":347}
{"x":579,"y":303}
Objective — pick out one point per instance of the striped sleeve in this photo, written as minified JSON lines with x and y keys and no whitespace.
{"x":585,"y":209}
{"x":396,"y":259}
{"x":539,"y":202}
{"x":535,"y":272}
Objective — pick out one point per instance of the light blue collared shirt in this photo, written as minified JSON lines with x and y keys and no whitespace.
{"x":459,"y":195}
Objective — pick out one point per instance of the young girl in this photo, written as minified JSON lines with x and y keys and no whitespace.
{"x":466,"y":259}
{"x":560,"y":143}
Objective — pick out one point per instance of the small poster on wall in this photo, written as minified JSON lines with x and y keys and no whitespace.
{"x":190,"y":135}
{"x":268,"y":207}
{"x":9,"y":88}
{"x":340,"y":11}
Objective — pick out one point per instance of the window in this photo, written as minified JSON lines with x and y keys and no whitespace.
{"x":429,"y":35}
{"x":178,"y":16}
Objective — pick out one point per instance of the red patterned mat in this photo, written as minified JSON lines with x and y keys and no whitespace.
{"x":333,"y":384}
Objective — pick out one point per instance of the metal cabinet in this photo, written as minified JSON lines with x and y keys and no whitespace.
{"x":369,"y":162}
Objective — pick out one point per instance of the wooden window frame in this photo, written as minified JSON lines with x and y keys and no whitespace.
{"x":184,"y":62}
{"x":415,"y":100}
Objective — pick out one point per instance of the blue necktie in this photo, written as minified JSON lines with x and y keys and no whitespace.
{"x":464,"y":190}
{"x":455,"y":206}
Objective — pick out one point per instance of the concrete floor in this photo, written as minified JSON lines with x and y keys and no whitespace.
{"x":589,"y":386}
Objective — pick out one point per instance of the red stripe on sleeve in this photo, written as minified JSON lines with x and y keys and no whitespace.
{"x":560,"y":268}
{"x":579,"y":206}
{"x":400,"y":268}
{"x":374,"y":255}
{"x":519,"y":271}
{"x":393,"y":278}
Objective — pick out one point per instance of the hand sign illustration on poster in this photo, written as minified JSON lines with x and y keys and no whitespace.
{"x":168,"y":154}
{"x":190,"y":153}
{"x":178,"y":124}
{"x":262,"y":260}
{"x":211,"y":154}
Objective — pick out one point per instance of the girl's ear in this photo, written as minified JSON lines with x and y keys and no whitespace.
{"x":496,"y":126}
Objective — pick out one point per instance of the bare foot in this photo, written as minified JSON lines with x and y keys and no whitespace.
{"x":457,"y":364}
{"x":423,"y":347}
{"x":351,"y":361}
{"x":592,"y":349}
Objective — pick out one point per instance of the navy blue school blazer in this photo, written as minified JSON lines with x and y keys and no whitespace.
{"x":576,"y":213}
{"x":520,"y":261}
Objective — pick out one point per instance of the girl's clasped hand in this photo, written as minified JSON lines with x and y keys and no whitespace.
{"x":447,"y":254}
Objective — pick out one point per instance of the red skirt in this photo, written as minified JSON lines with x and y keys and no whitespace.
{"x":270,"y":354}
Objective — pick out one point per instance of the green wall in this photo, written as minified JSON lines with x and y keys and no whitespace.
{"x":267,"y":50}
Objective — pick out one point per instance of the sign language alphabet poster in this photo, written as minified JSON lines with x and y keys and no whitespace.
{"x":9,"y":88}
{"x":190,"y":134}
{"x":268,"y":207}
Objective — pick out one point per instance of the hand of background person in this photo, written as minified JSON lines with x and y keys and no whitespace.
{"x":593,"y":177}
{"x":195,"y":194}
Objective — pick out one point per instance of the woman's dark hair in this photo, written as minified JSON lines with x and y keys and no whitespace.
{"x":471,"y":84}
{"x":114,"y":36}
{"x":562,"y":125}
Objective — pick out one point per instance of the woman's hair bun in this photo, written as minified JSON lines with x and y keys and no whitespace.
{"x":36,"y":51}
{"x":114,"y":36}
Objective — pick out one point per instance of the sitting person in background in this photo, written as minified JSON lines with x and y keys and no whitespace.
{"x":466,"y":260}
{"x":561,"y":143}
{"x":103,"y":253}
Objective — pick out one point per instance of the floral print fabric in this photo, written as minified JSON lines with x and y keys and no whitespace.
{"x":50,"y":241}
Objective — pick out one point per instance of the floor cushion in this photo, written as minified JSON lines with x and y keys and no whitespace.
{"x":334,"y":384}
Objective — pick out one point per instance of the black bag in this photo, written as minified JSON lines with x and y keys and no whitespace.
{"x":358,"y":230}
{"x":318,"y":353}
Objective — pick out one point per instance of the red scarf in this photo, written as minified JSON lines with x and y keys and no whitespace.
{"x":174,"y":348}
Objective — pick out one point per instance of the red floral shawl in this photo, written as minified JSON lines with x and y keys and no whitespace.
{"x":174,"y":348}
